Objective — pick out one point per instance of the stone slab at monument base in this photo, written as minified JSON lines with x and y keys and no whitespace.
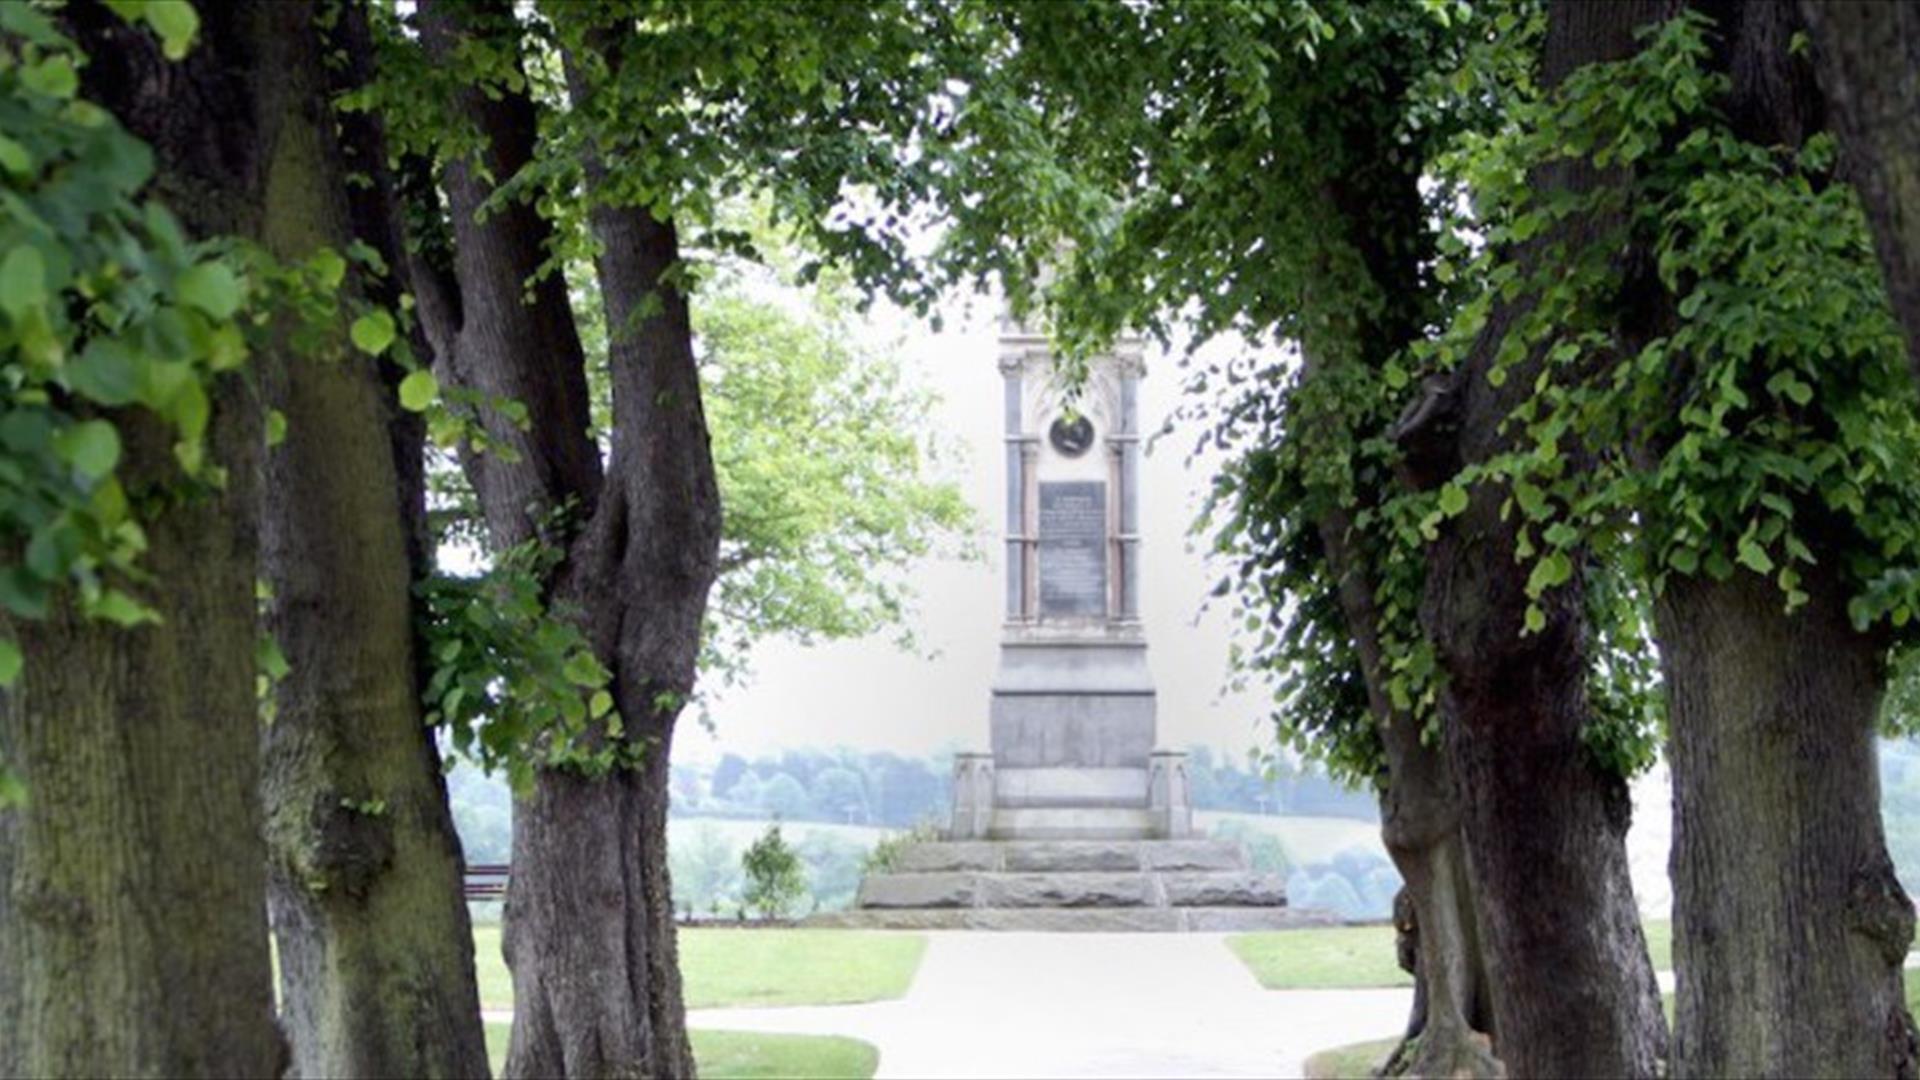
{"x":1073,"y":885}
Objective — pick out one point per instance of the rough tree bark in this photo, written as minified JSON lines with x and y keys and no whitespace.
{"x":1789,"y":926}
{"x":1573,"y":990}
{"x":133,"y":935}
{"x":375,"y":947}
{"x":589,"y":912}
{"x":1866,"y":53}
{"x":1451,"y":1026}
{"x":1379,"y":214}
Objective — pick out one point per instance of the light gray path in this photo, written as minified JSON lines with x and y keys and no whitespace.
{"x":1059,"y":1005}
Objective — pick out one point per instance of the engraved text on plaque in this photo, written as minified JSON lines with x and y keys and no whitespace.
{"x":1073,"y":548}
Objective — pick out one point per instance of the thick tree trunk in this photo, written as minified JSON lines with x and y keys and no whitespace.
{"x":589,"y":911}
{"x":656,"y":531}
{"x":1790,"y":927}
{"x":133,"y":933}
{"x":1866,"y":52}
{"x":375,"y":948}
{"x":1573,"y":990}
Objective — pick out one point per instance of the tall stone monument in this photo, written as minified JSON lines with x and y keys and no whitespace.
{"x":1072,"y":707}
{"x":1073,"y":820}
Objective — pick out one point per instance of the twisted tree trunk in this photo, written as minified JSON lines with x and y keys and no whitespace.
{"x":375,"y":947}
{"x":136,"y":867}
{"x":1379,"y":214}
{"x":1450,"y":1030}
{"x":1574,"y":993}
{"x":589,"y":931}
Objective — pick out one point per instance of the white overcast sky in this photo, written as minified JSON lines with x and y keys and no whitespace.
{"x":869,"y":695}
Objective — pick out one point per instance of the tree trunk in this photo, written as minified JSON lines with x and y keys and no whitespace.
{"x":589,"y":931}
{"x":1574,"y":993}
{"x":1450,"y":1028}
{"x":133,"y":934}
{"x":375,"y":947}
{"x":1379,"y":215}
{"x":1790,"y":927}
{"x":1866,"y":53}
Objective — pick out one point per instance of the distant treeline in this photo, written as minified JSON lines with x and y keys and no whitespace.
{"x":853,"y":788}
{"x":887,"y":790}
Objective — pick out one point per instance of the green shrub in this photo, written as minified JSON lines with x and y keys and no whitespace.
{"x":885,"y":856}
{"x":775,"y":879}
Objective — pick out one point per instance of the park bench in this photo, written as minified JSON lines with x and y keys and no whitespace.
{"x":486,"y":881}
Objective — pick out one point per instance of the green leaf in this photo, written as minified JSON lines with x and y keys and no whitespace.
{"x":226,"y":348}
{"x":23,"y":280}
{"x":1686,"y":560}
{"x":1754,"y":557}
{"x":10,"y":662}
{"x":92,"y":447}
{"x":276,"y":427}
{"x":107,"y":373}
{"x":211,"y":287}
{"x":1551,"y":570}
{"x":600,"y":705}
{"x":1536,"y":620}
{"x":117,"y":607}
{"x":53,"y":76}
{"x":328,"y":268}
{"x":583,"y":670}
{"x":269,"y":660}
{"x":190,"y":410}
{"x":1453,"y":500}
{"x":176,"y":22}
{"x":418,"y":391}
{"x":14,"y":158}
{"x":373,"y":333}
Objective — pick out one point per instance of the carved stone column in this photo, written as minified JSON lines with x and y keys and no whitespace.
{"x":1168,"y":794}
{"x":972,"y":797}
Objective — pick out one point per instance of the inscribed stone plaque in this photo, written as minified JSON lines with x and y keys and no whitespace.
{"x":1073,"y":548}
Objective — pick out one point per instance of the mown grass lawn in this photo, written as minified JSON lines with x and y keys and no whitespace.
{"x":750,"y":1055}
{"x":1356,"y":957}
{"x":1320,"y":958}
{"x":724,"y":967}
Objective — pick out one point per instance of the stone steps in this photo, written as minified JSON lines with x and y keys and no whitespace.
{"x":1081,"y":920}
{"x":959,"y":889}
{"x":1113,"y":885}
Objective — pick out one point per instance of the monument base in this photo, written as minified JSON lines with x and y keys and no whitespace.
{"x":1109,"y":885}
{"x":1070,"y":803}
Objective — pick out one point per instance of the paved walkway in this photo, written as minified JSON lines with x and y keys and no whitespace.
{"x":1057,"y":1005}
